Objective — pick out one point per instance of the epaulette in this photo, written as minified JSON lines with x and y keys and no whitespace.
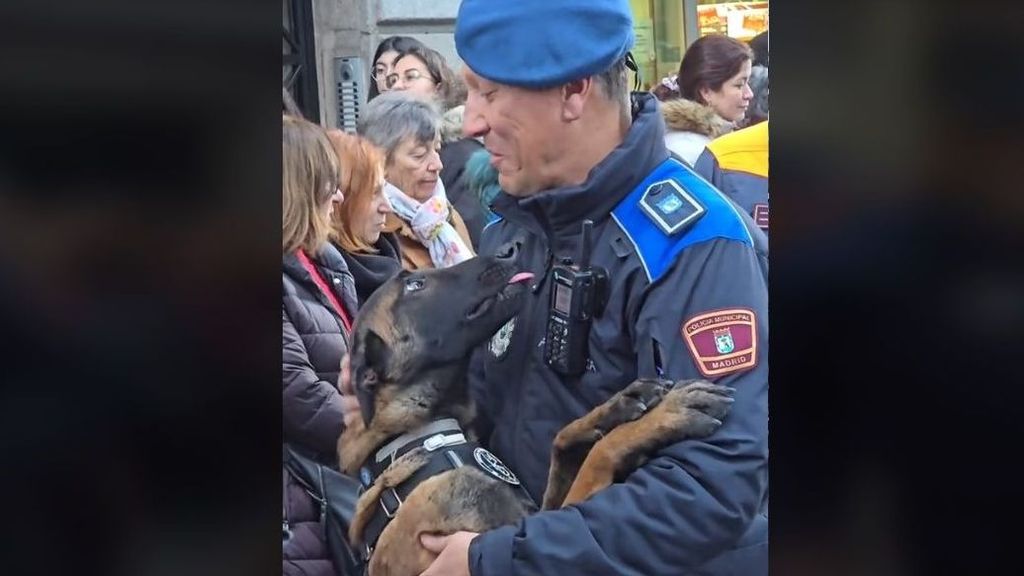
{"x":674,"y":208}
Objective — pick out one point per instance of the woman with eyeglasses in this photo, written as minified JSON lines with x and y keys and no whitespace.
{"x":384,"y":61}
{"x":430,"y":231}
{"x":424,"y":72}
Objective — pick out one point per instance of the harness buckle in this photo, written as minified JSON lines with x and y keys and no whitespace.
{"x":434,"y":442}
{"x":384,"y":505}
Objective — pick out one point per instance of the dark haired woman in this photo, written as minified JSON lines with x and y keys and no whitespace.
{"x":384,"y":61}
{"x":713,"y":83}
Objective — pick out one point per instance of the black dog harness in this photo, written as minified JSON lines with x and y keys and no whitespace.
{"x":447,"y":448}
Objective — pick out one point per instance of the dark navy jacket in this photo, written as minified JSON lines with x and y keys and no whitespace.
{"x":699,"y":506}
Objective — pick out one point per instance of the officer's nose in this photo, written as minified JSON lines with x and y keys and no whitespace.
{"x":508,"y":253}
{"x":474,"y":125}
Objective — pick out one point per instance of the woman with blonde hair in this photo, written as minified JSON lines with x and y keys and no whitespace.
{"x":318,"y":308}
{"x":373,"y":256}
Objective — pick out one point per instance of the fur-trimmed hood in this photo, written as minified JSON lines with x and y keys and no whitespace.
{"x":682,"y":115}
{"x":451,"y":124}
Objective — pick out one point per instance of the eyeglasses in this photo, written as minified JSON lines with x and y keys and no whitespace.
{"x":409,"y":77}
{"x":379,"y":72}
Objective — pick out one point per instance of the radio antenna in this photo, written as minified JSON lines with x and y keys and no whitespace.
{"x":588,"y":226}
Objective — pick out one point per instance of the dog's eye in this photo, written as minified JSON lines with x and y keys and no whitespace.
{"x":414,"y":284}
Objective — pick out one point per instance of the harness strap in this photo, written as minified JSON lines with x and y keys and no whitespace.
{"x":448,"y":448}
{"x":441,"y":461}
{"x":390,"y":450}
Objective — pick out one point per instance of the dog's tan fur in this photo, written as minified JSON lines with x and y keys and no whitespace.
{"x":587,"y":456}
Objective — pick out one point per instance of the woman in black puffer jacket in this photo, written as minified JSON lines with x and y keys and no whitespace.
{"x":318,"y":308}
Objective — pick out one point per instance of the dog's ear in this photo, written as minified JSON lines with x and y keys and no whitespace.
{"x":369,"y":370}
{"x":376,"y":354}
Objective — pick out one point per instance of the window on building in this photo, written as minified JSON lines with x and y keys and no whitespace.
{"x":740,"y":20}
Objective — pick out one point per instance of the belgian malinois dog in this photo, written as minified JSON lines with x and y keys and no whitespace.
{"x":409,"y":359}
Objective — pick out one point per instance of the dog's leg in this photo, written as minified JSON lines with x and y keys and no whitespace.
{"x":574,"y":442}
{"x":690,"y":410}
{"x":356,"y":444}
{"x":397,"y":473}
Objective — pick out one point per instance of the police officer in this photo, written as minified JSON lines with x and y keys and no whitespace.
{"x":687,"y":298}
{"x":737,"y":164}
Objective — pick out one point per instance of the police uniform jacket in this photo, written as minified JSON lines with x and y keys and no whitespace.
{"x":737,"y":164}
{"x":693,"y":304}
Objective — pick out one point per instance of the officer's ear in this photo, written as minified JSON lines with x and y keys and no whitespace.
{"x":574,"y":97}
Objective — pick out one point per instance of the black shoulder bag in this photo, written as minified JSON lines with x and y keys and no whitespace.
{"x":337,"y":495}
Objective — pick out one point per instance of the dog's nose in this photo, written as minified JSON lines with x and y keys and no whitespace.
{"x":509,"y":252}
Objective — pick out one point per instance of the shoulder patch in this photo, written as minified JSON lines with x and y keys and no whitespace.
{"x":655,"y":245}
{"x":761,"y":215}
{"x":722,"y":341}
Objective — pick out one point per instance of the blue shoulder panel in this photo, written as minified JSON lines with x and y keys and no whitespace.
{"x":656,"y":249}
{"x":494,"y":219}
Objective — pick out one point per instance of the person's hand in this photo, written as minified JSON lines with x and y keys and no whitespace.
{"x":349,"y":402}
{"x":452,"y":553}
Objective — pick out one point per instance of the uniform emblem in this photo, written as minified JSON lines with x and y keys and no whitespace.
{"x":670,"y":204}
{"x":490,"y":464}
{"x":501,"y":339}
{"x":670,"y":207}
{"x":722,"y":341}
{"x":761,"y":215}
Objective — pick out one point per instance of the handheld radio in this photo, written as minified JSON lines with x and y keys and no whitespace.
{"x":578,"y":294}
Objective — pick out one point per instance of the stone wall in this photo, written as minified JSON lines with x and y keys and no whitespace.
{"x":353,"y":28}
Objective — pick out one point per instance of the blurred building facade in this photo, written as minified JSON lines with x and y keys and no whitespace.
{"x":328,"y":44}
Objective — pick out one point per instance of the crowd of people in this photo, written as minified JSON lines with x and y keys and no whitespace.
{"x":529,"y":139}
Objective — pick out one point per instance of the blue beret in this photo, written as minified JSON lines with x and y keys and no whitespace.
{"x":542,"y":43}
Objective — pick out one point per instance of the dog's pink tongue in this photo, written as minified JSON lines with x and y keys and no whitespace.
{"x":521,"y":277}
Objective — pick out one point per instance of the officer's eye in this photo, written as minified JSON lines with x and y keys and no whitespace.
{"x":414,"y":284}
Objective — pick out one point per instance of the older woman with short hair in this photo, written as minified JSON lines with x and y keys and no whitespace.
{"x":407,"y":128}
{"x":421,"y":70}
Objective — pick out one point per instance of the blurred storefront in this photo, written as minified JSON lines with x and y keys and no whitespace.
{"x":664,"y":28}
{"x":328,"y":44}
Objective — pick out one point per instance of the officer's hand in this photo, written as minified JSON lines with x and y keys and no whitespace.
{"x":349,"y":402}
{"x":452,"y":551}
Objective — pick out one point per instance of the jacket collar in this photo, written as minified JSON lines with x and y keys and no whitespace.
{"x":328,"y":260}
{"x":682,"y":115}
{"x":558,"y":212}
{"x":331,"y":265}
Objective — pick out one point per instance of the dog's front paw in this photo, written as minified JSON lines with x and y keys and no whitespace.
{"x":633,"y":402}
{"x":701,"y":404}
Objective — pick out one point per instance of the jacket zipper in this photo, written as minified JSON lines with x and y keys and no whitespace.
{"x":530,"y":351}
